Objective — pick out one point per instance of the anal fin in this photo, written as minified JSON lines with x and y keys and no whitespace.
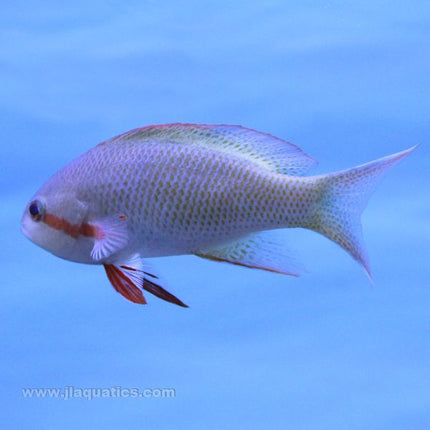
{"x":261,"y":250}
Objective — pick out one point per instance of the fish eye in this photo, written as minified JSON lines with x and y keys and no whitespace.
{"x":36,"y":210}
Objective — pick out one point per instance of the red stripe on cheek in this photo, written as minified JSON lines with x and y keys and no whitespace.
{"x":73,"y":230}
{"x":89,"y":230}
{"x":62,"y":224}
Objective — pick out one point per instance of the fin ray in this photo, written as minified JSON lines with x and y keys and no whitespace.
{"x":124,"y":285}
{"x":130,"y":277}
{"x":112,"y":236}
{"x":261,"y":250}
{"x":161,"y":293}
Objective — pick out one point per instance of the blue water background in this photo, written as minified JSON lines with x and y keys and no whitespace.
{"x":348,"y":82}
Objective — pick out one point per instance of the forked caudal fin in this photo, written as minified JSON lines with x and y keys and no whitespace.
{"x":342,"y":199}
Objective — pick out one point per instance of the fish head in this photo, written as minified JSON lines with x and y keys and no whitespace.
{"x":53,"y":219}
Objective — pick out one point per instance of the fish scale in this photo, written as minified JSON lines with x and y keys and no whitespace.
{"x":216,"y":191}
{"x":213,"y":172}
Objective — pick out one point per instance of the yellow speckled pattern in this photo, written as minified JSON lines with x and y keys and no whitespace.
{"x":187,"y":188}
{"x":180,"y":195}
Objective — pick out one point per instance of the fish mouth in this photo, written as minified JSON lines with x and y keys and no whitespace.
{"x":25,"y":231}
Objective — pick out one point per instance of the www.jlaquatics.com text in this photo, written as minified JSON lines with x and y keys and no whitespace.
{"x":90,"y":393}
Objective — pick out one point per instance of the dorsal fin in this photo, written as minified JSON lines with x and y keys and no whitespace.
{"x":270,"y":152}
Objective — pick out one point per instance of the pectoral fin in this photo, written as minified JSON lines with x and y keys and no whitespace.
{"x":110,"y":236}
{"x":258,"y":251}
{"x":130,"y":277}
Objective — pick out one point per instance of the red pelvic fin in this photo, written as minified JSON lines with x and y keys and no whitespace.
{"x":123,"y":284}
{"x":128,"y":281}
{"x":160,"y":292}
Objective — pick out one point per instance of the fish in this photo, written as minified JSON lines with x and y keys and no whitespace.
{"x":220,"y":192}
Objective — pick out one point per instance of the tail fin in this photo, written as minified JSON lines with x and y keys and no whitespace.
{"x":344,"y":196}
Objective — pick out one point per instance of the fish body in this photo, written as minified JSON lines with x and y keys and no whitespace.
{"x":216,"y":191}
